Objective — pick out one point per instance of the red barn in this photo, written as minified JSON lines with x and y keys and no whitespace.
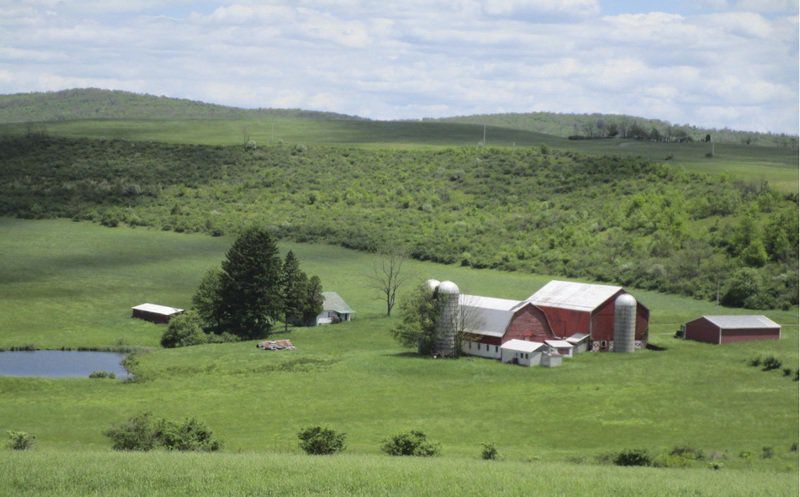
{"x":559,"y":310}
{"x":586,"y":308}
{"x":729,"y":329}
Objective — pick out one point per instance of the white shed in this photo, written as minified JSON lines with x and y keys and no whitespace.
{"x":551,"y":359}
{"x":579,"y":342}
{"x":521,"y":352}
{"x":563,"y":347}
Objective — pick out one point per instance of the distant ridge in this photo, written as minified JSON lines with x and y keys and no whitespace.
{"x":592,"y":125}
{"x":95,"y":103}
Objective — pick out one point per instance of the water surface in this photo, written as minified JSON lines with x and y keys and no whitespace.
{"x":60,"y":363}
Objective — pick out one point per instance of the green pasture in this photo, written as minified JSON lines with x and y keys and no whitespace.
{"x":777,"y":166}
{"x":239,"y":475}
{"x":72,"y":284}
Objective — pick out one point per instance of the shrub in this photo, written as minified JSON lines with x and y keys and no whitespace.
{"x":770,"y":363}
{"x":20,"y":440}
{"x":716,"y":466}
{"x":412,"y":443}
{"x":192,"y":435}
{"x":489,"y":451}
{"x":102,"y":374}
{"x":767,"y":452}
{"x":755,"y":362}
{"x":137,"y":433}
{"x":787,"y":371}
{"x":184,"y":330}
{"x":143,"y":432}
{"x":633,"y":457}
{"x":321,"y":441}
{"x":793,"y":447}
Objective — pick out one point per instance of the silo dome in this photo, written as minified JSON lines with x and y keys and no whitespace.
{"x":432,"y":285}
{"x":624,"y":323}
{"x":448,"y":287}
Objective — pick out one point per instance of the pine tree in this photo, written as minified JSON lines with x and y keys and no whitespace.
{"x":250,"y":293}
{"x":313,"y":301}
{"x":293,"y":290}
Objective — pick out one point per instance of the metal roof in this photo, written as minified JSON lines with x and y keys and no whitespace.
{"x":333,"y":302}
{"x":734,"y":322}
{"x":486,"y":315}
{"x":521,"y":345}
{"x":559,"y":344}
{"x":577,"y":338}
{"x":157,"y":309}
{"x":571,"y":295}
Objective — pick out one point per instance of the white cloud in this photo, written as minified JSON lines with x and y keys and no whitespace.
{"x":735,"y":68}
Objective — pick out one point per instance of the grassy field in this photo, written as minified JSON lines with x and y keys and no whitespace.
{"x":71,"y":284}
{"x":776,"y":165}
{"x":155,"y":475}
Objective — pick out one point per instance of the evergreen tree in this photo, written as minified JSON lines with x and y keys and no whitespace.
{"x":312,"y":303}
{"x":250,"y":293}
{"x":206,"y":300}
{"x":293,"y":290}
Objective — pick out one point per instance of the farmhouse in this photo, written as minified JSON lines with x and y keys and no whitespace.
{"x":334,"y":309}
{"x":729,"y":329}
{"x":155,"y":313}
{"x":564,"y":315}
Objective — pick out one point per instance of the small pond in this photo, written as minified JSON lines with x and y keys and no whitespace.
{"x":60,"y":363}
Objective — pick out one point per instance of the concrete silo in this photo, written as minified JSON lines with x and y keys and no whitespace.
{"x":432,"y":285}
{"x":624,"y":323}
{"x":447,"y":293}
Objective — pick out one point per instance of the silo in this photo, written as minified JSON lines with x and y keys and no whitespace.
{"x":447,"y":294}
{"x":432,"y":285}
{"x":624,"y":323}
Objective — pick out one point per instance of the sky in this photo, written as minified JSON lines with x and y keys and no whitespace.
{"x":711,"y":63}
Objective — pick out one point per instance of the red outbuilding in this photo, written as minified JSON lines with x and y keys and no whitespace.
{"x":729,"y":329}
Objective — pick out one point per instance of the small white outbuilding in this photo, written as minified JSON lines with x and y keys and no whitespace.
{"x":563,"y":347}
{"x":579,"y":342}
{"x":522,"y":352}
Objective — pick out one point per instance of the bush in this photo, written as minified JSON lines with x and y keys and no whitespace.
{"x":767,"y":453}
{"x":793,"y":447}
{"x":321,"y":441}
{"x":489,"y":451}
{"x":787,"y":371}
{"x":184,"y":330}
{"x":20,"y":440}
{"x":412,"y":443}
{"x":192,"y":435}
{"x":137,"y":433}
{"x":142,"y":432}
{"x":102,"y":374}
{"x":770,"y":363}
{"x":633,"y":457}
{"x":755,"y":362}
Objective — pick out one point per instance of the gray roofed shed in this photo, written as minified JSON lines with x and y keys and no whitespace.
{"x":332,"y":301}
{"x":742,"y":322}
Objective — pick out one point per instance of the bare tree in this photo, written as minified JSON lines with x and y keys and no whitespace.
{"x":388,"y":275}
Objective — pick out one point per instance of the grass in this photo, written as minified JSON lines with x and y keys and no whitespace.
{"x":776,"y":165}
{"x":71,"y":284}
{"x":235,"y":475}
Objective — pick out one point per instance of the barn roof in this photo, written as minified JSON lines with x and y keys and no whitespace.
{"x":571,"y":295}
{"x":486,"y":315}
{"x":740,"y":322}
{"x":521,"y":345}
{"x":157,"y":309}
{"x":334,"y":302}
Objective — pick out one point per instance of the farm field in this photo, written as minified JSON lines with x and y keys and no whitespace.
{"x":777,"y":166}
{"x":71,"y":284}
{"x":235,"y":475}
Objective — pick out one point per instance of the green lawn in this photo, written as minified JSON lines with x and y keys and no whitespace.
{"x":240,"y":475}
{"x":778,"y":166}
{"x":71,"y":284}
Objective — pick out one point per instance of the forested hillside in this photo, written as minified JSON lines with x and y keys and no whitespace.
{"x":93,"y":103}
{"x":621,"y":126}
{"x":612,"y":219}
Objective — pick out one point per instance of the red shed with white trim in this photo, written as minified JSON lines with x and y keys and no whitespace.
{"x":729,"y":329}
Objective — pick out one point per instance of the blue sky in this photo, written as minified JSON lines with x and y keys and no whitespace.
{"x":718,"y":63}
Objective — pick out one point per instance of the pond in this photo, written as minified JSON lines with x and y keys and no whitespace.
{"x":60,"y":363}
